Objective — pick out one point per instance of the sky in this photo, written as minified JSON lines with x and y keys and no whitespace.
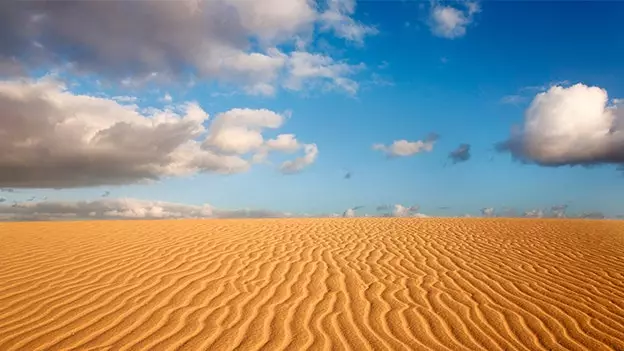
{"x":234,"y":108}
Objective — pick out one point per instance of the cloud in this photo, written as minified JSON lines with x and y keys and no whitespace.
{"x":166,"y":98}
{"x":384,"y":207}
{"x":402,"y":211}
{"x":559,"y":211}
{"x":229,"y":41}
{"x":536,"y":213}
{"x":337,"y":18}
{"x":124,"y":98}
{"x":350,"y":212}
{"x":310,"y":70}
{"x":513,"y":99}
{"x":461,"y":154}
{"x":299,"y":163}
{"x":52,"y":138}
{"x":450,"y":22}
{"x":487,"y":212}
{"x":592,"y":215}
{"x":398,"y":210}
{"x":569,"y":126}
{"x":239,"y":131}
{"x":122,"y":208}
{"x":404,"y":148}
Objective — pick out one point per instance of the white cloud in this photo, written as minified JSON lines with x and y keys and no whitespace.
{"x":284,"y":143}
{"x":167,"y":98}
{"x":537,"y":213}
{"x":403,"y":211}
{"x":306,"y":69}
{"x":569,"y":126}
{"x":299,"y":163}
{"x":54,"y":138}
{"x":122,"y":208}
{"x":239,"y":131}
{"x":450,"y":22}
{"x":337,"y":18}
{"x":487,"y":212}
{"x":230,"y":41}
{"x":407,"y":148}
{"x":349,"y":213}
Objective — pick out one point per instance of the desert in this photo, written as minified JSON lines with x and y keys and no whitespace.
{"x":317,"y":284}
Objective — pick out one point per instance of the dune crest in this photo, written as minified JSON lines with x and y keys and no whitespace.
{"x":320,"y":284}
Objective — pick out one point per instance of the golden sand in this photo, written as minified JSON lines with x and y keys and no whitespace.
{"x":320,"y":284}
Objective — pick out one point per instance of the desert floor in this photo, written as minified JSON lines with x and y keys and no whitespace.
{"x":330,"y":284}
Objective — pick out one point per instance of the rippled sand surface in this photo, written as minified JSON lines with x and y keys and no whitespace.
{"x":320,"y":284}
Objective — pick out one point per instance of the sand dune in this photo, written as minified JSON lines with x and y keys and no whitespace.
{"x":320,"y":284}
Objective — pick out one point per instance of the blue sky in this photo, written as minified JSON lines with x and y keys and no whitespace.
{"x":470,"y":84}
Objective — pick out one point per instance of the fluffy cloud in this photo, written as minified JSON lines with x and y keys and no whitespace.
{"x":398,"y":210}
{"x":239,"y":131}
{"x":451,"y":22}
{"x":461,"y":154}
{"x":52,"y":138}
{"x":350,"y":212}
{"x":123,"y":208}
{"x":569,"y":126}
{"x":231,"y":41}
{"x":402,"y":211}
{"x":487,"y":212}
{"x":402,"y":148}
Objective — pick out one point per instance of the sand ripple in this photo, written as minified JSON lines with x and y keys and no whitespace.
{"x":319,"y":284}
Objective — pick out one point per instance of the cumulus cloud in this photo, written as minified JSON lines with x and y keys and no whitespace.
{"x":398,"y":210}
{"x":122,"y":208}
{"x":350,"y":212}
{"x":487,"y":212}
{"x":402,"y":211}
{"x":230,"y":41}
{"x":451,"y":22}
{"x":53,"y":138}
{"x":402,"y":148}
{"x":569,"y":126}
{"x":461,"y":154}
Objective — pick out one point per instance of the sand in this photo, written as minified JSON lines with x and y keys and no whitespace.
{"x":320,"y":284}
